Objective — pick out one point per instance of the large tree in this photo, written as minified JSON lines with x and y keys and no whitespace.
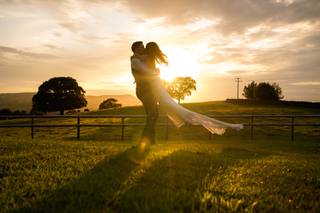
{"x":109,"y":103}
{"x":180,"y":87}
{"x":58,"y":94}
{"x":263,"y":91}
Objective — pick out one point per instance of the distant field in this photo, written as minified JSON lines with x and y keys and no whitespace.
{"x":188,"y":173}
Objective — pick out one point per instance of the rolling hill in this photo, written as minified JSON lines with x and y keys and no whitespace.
{"x":23,"y":101}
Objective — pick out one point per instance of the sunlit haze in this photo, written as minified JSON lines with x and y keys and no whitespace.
{"x":212,"y":41}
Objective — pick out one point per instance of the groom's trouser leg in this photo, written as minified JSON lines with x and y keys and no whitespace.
{"x":152,"y":117}
{"x":151,"y":108}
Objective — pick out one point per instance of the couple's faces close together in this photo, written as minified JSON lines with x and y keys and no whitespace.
{"x":140,"y":49}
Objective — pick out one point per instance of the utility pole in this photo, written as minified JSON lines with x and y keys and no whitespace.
{"x":238,"y":81}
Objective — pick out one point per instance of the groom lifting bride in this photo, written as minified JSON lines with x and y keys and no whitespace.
{"x":150,"y":91}
{"x":144,"y":77}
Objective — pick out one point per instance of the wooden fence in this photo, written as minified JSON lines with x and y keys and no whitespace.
{"x":251,"y":124}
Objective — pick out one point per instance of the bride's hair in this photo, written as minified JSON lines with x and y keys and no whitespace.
{"x":154,"y":51}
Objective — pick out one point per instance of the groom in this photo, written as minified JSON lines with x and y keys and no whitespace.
{"x":143,"y":77}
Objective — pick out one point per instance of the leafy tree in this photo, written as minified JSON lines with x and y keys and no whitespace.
{"x":278,"y":91}
{"x":266,"y":91}
{"x":58,"y":94}
{"x":249,"y":90}
{"x":109,"y":103}
{"x":263,"y":91}
{"x":180,"y":87}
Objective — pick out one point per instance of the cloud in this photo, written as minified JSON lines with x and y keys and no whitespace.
{"x":306,"y":83}
{"x":21,"y":53}
{"x":299,"y":10}
{"x":287,"y":52}
{"x":236,"y":16}
{"x":53,"y":47}
{"x":57,"y":34}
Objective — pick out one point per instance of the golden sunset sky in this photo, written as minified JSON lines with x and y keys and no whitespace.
{"x":212,"y":41}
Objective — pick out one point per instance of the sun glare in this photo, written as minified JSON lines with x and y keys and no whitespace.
{"x":181,"y":63}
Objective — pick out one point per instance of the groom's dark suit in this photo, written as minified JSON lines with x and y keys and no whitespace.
{"x":145,"y":93}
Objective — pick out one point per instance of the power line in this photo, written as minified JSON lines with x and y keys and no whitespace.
{"x":238,"y":81}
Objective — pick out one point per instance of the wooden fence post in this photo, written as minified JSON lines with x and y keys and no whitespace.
{"x":122,"y":128}
{"x":292,"y":128}
{"x":78,"y":127}
{"x":32,"y":127}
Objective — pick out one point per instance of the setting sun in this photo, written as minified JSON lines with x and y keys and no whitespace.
{"x":181,"y":63}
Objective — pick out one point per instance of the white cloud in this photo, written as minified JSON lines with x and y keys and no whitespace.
{"x":306,"y":83}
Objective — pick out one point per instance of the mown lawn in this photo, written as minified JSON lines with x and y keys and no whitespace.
{"x":225,"y":174}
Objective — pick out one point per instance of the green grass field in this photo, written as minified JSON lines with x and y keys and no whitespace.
{"x":188,"y":173}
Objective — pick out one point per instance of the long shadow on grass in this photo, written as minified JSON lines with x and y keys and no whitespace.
{"x":168,"y":183}
{"x":91,"y":192}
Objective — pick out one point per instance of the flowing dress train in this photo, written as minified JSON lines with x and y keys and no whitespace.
{"x":180,"y":115}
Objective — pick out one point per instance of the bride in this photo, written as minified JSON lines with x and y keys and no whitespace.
{"x":178,"y":114}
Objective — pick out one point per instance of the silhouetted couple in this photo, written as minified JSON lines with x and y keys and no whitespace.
{"x":150,"y":90}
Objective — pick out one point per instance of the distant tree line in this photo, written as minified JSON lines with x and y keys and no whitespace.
{"x":15,"y":112}
{"x":9,"y":112}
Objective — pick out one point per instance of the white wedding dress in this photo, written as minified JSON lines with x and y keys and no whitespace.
{"x":180,"y":115}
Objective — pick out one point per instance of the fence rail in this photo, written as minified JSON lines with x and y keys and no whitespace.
{"x":122,"y":124}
